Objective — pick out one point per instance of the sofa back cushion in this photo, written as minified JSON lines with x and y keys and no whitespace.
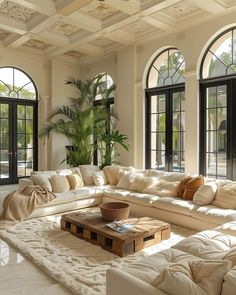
{"x":140,"y":182}
{"x":189,"y":185}
{"x":199,"y":277}
{"x":99,"y":178}
{"x":125,"y":179}
{"x":225,"y":195}
{"x":172,"y":176}
{"x":87,"y":173}
{"x":48,"y":173}
{"x":205,"y":194}
{"x":75,"y":181}
{"x":164,"y":189}
{"x":59,"y":184}
{"x":111,"y":173}
{"x":42,"y":180}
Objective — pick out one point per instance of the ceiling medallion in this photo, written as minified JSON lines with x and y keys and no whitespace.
{"x":64,"y":29}
{"x":18,"y":12}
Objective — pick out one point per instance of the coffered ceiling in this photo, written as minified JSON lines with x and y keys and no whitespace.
{"x":78,"y":29}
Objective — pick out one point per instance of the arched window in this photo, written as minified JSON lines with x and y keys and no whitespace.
{"x":165,"y":112}
{"x":18,"y":125}
{"x":218,"y":107}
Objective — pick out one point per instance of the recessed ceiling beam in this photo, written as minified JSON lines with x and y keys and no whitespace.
{"x":153,"y":21}
{"x":209,"y":5}
{"x":120,"y":36}
{"x":127,"y":7}
{"x":68,"y":8}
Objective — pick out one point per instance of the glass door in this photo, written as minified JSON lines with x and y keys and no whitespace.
{"x":5,"y":144}
{"x":165,"y":130}
{"x":18,"y":140}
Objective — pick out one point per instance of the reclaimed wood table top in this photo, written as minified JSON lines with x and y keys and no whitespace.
{"x":94,"y":222}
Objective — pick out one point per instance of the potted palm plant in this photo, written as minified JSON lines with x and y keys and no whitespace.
{"x":79,"y":120}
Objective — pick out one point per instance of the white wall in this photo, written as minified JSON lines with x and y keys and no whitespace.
{"x":130,"y":68}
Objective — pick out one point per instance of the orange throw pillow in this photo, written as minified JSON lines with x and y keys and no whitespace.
{"x":188,"y":186}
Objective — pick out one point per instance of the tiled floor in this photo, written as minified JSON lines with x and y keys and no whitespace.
{"x":18,"y":276}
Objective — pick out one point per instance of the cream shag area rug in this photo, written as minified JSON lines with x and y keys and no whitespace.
{"x":76,"y":264}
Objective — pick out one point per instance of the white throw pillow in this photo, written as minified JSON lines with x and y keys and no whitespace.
{"x":111,"y":173}
{"x":140,"y":182}
{"x":126,"y":179}
{"x":87,"y":173}
{"x":163,"y":189}
{"x":64,"y":172}
{"x":43,"y":181}
{"x":225,"y":195}
{"x":205,"y":194}
{"x":195,"y":277}
{"x":48,"y":173}
{"x":59,"y":184}
{"x":99,"y":178}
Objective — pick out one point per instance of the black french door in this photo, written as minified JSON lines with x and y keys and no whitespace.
{"x":217,"y":129}
{"x":18,"y":139}
{"x":165,"y":128}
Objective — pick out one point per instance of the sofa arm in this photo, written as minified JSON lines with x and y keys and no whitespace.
{"x":23,"y":182}
{"x":119,"y":282}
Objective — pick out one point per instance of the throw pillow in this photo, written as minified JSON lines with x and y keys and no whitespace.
{"x":87,"y":173}
{"x":75,"y":181}
{"x":188,"y":186}
{"x":43,"y":181}
{"x":99,"y":178}
{"x":139,"y":183}
{"x":225,"y":195}
{"x":126,"y":179}
{"x":111,"y":174}
{"x":197,"y":277}
{"x":205,"y":194}
{"x":164,"y":189}
{"x":48,"y":173}
{"x":59,"y":184}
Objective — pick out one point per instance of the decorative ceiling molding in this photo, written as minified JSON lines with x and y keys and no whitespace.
{"x":64,"y":29}
{"x":36,"y":44}
{"x":93,"y":28}
{"x":16,"y":11}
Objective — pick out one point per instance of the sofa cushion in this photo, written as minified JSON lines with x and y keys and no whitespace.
{"x":87,"y":173}
{"x":126,"y":179}
{"x":59,"y":184}
{"x":99,"y":178}
{"x":111,"y":173}
{"x":209,"y":244}
{"x":142,"y":199}
{"x":163,"y":189}
{"x":141,"y":182}
{"x":172,"y":176}
{"x":118,"y":194}
{"x":42,"y":180}
{"x":213,"y":214}
{"x":229,"y":284}
{"x":199,"y":277}
{"x":188,"y":186}
{"x":148,"y":268}
{"x":226,"y":195}
{"x":205,"y":194}
{"x":176,"y":205}
{"x":75,"y":181}
{"x":48,"y":173}
{"x":228,"y":228}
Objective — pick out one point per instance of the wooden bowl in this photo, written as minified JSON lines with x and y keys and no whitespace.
{"x":114,"y":211}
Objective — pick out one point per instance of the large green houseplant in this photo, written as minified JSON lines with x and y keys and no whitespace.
{"x":82,"y":122}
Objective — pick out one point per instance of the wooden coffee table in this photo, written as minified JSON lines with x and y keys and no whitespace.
{"x":91,"y":227}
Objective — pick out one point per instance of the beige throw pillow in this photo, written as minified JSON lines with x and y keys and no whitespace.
{"x":75,"y":181}
{"x":111,"y":173}
{"x":87,"y":173}
{"x":205,"y":194}
{"x":126,"y":179}
{"x":163,"y":189}
{"x":99,"y":178}
{"x":139,"y":183}
{"x":43,"y":181}
{"x":225,"y":195}
{"x":195,"y":277}
{"x":59,"y":184}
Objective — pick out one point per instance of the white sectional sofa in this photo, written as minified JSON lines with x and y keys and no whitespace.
{"x":217,"y":241}
{"x":167,"y":208}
